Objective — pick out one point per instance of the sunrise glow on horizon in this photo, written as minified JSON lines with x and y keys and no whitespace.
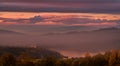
{"x":82,"y":19}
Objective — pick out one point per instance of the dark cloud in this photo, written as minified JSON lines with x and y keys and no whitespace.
{"x":87,"y":6}
{"x":31,"y":20}
{"x":82,"y":1}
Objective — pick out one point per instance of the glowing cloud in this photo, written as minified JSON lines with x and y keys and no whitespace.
{"x":48,"y":23}
{"x":85,"y":19}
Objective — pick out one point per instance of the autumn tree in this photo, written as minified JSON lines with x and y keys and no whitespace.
{"x":7,"y":59}
{"x":99,"y":60}
{"x":112,"y":59}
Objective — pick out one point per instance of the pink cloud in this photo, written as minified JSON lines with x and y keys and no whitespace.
{"x":49,"y":23}
{"x":8,"y":23}
{"x":97,"y":24}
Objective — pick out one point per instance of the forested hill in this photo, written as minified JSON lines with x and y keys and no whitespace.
{"x":36,"y":52}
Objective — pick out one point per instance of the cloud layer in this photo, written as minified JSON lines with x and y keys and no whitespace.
{"x":60,"y":20}
{"x":87,"y":6}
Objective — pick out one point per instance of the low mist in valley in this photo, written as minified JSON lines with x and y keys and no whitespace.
{"x":68,"y":42}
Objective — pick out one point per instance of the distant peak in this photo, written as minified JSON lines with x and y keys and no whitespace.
{"x":110,"y":28}
{"x":2,"y":31}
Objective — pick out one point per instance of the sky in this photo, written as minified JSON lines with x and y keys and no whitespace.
{"x":61,"y":24}
{"x":60,"y":12}
{"x":84,"y":6}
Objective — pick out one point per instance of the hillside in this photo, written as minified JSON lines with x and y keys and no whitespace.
{"x":32,"y":51}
